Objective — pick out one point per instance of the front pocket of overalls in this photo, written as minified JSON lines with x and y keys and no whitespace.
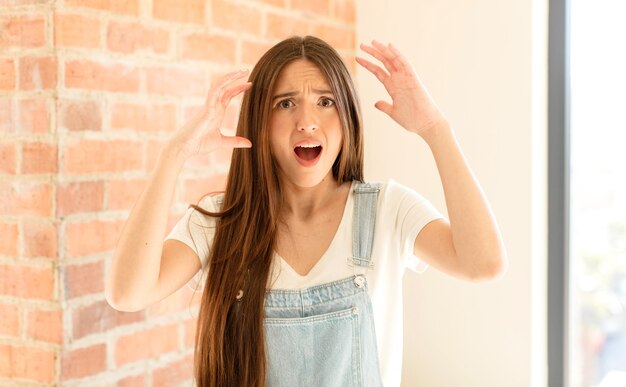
{"x":321,"y":350}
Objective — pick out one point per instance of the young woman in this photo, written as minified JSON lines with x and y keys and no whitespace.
{"x":302,"y":260}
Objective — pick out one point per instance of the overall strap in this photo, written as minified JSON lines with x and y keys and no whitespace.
{"x":365,"y":199}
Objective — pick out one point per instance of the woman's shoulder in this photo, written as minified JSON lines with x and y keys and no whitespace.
{"x":211,"y":202}
{"x":390,"y":190}
{"x":381,"y":186}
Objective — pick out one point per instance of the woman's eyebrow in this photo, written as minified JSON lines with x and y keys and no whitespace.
{"x":292,"y":93}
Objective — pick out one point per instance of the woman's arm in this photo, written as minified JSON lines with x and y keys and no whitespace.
{"x":135,"y":267}
{"x":136,"y":277}
{"x":470,"y":245}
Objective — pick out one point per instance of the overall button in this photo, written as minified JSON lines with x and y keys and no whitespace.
{"x":359,"y":281}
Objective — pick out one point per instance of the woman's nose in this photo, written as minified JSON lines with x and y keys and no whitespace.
{"x":307,"y":122}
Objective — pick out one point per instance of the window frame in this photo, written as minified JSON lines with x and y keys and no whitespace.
{"x":558,"y":191}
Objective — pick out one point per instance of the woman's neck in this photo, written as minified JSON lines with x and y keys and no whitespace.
{"x":301,"y":203}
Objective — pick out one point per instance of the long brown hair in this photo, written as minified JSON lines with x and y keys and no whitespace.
{"x":230,"y":346}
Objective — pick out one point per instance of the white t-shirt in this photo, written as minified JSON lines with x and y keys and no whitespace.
{"x":401,"y":215}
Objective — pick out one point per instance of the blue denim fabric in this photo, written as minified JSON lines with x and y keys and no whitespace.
{"x":324,"y":336}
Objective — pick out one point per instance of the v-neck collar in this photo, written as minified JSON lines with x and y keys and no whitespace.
{"x":325,"y":255}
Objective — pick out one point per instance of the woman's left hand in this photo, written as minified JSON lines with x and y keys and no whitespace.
{"x":412,"y":107}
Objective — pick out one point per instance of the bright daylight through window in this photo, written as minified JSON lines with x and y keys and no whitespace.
{"x":597,"y":305}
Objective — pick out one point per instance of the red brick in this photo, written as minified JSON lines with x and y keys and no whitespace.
{"x":92,"y":156}
{"x":139,"y":117}
{"x":10,"y":321}
{"x":83,"y":362}
{"x":7,"y":158}
{"x":26,"y":198}
{"x":344,"y":10}
{"x":320,"y":7}
{"x":133,"y":381}
{"x":38,"y":73}
{"x":123,"y":194}
{"x":279,"y":26}
{"x":44,"y":325}
{"x":8,"y":239}
{"x":30,"y":2}
{"x":275,"y":3}
{"x":7,"y":116}
{"x":191,"y":11}
{"x":78,"y":115}
{"x":84,"y":74}
{"x":127,"y":7}
{"x":7,"y":74}
{"x":34,"y":116}
{"x":39,"y":157}
{"x":159,"y":118}
{"x":147,"y":344}
{"x":181,"y":82}
{"x":76,"y":31}
{"x":338,"y":37}
{"x":92,"y":237}
{"x":132,"y":37}
{"x":40,"y":239}
{"x":194,"y":189}
{"x":22,"y":32}
{"x":100,"y":317}
{"x":77,"y":197}
{"x":253,"y":51}
{"x":24,"y":362}
{"x":209,"y":47}
{"x":236,"y":17}
{"x":27,"y":282}
{"x":80,"y":280}
{"x":175,"y":373}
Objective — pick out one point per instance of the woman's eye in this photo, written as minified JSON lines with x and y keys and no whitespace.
{"x":285,"y":104}
{"x":327,"y":102}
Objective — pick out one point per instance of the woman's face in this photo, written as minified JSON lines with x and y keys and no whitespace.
{"x":305,"y":130}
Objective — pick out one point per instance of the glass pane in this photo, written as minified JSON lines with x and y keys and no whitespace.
{"x":597,"y":305}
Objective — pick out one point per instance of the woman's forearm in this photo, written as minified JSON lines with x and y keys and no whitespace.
{"x":136,"y":262}
{"x":475,"y":232}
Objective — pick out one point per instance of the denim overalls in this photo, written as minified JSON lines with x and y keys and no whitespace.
{"x":324,"y":336}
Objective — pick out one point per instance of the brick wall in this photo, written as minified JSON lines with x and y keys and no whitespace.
{"x":89,"y":91}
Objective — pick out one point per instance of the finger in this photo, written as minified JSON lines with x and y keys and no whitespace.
{"x":378,"y":55}
{"x":230,"y":76}
{"x":374,"y":69}
{"x":399,"y":60}
{"x":232,"y":92}
{"x":385,"y":50}
{"x":236,"y":142}
{"x":384,"y":107}
{"x":382,"y":48}
{"x":220,"y":83}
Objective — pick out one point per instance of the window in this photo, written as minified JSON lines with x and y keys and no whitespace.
{"x":587,"y":220}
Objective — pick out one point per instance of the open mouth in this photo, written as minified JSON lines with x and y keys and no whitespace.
{"x":308,"y":152}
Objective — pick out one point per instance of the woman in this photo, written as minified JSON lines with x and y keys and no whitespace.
{"x":303,"y":261}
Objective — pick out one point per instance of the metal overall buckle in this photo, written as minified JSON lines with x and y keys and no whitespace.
{"x":360,"y":267}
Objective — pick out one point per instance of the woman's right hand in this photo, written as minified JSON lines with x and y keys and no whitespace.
{"x":202,"y":133}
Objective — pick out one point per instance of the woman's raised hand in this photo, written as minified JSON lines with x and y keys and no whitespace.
{"x":202,"y":133}
{"x":412,"y":107}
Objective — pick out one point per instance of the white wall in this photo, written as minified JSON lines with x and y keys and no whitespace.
{"x":484,"y":62}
